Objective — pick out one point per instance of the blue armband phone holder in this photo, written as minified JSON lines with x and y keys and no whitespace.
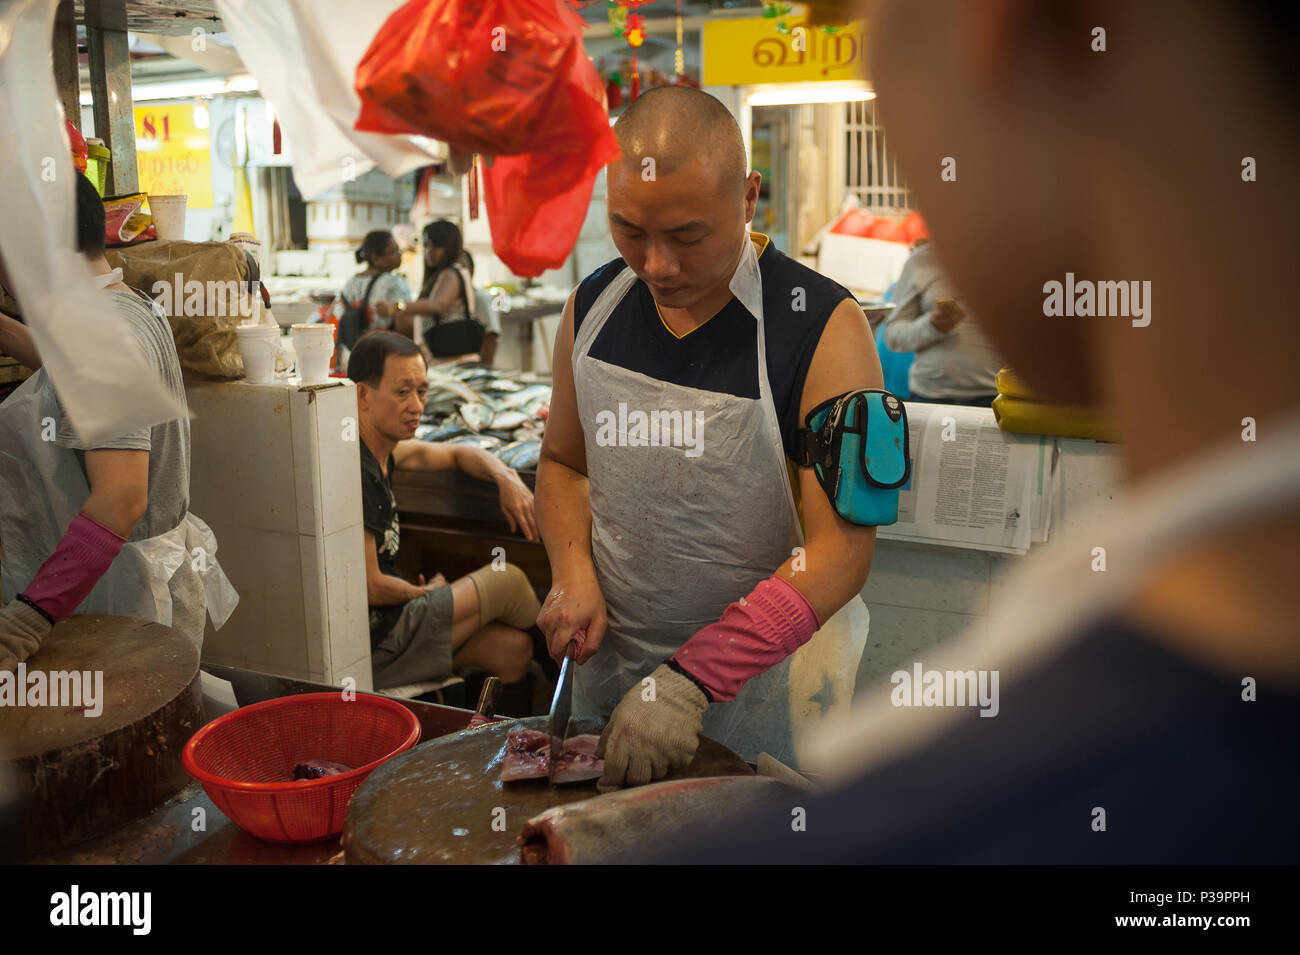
{"x":858,"y":446}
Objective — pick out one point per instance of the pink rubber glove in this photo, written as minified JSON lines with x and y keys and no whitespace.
{"x":71,"y":572}
{"x":753,"y":636}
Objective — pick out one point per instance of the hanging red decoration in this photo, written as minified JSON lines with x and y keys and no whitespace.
{"x":634,"y":88}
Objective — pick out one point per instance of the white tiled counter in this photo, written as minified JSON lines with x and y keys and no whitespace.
{"x":276,"y":472}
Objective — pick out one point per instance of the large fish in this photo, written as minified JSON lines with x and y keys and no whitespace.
{"x":615,"y":827}
{"x":442,"y":383}
{"x":501,"y":386}
{"x":529,"y":395}
{"x":477,"y":415}
{"x":486,"y":442}
{"x":445,"y":430}
{"x":521,"y":453}
{"x":509,"y":420}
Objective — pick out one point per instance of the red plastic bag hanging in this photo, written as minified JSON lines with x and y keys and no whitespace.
{"x":488,"y":76}
{"x":508,"y":79}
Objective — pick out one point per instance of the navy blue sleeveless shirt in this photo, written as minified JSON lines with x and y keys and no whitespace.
{"x":721,"y":355}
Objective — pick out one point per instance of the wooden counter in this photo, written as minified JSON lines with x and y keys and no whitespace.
{"x":451,"y":523}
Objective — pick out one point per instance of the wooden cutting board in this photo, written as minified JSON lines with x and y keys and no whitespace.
{"x":438,"y":803}
{"x":88,"y":774}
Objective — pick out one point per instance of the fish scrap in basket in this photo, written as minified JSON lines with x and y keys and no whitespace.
{"x":491,"y":409}
{"x":528,"y":756}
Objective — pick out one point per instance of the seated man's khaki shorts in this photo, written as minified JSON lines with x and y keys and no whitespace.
{"x":418,"y":648}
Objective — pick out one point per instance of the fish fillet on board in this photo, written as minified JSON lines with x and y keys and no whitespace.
{"x":615,"y":827}
{"x":528,"y":756}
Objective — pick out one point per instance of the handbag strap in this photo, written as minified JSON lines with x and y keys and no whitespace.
{"x":365,"y":299}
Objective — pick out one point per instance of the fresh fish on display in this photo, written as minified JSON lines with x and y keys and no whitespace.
{"x":470,"y":372}
{"x":616,"y":826}
{"x":528,"y":395}
{"x":439,"y":382}
{"x":477,"y":415}
{"x":501,"y":386}
{"x":509,"y":420}
{"x":479,"y":441}
{"x":452,"y":427}
{"x":507,"y":453}
{"x":522,"y":455}
{"x":440,"y":404}
{"x":527,"y":460}
{"x":506,"y":436}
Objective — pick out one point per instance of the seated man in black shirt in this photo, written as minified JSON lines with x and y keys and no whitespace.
{"x":421,"y":631}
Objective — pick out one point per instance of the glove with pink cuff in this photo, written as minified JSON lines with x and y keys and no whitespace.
{"x":84,"y":553}
{"x":650,"y":734}
{"x":754,"y":635}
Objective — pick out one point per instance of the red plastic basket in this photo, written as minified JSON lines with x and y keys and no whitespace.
{"x":244,"y":759}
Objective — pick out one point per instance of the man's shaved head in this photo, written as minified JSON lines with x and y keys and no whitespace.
{"x":674,"y":125}
{"x":680,"y":198}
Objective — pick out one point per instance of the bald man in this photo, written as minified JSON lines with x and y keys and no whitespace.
{"x":664,"y":494}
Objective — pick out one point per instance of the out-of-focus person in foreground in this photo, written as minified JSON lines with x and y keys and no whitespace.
{"x":1149,"y":665}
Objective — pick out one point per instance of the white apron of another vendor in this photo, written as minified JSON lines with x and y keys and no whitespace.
{"x":675,"y":539}
{"x":173,"y":578}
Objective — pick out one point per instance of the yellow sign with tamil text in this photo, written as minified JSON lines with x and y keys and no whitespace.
{"x":172,"y":154}
{"x":750,"y":51}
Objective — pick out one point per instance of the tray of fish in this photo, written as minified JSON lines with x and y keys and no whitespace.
{"x":471,"y":401}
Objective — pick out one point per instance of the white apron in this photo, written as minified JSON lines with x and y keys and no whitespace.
{"x":675,"y":539}
{"x":173,"y":578}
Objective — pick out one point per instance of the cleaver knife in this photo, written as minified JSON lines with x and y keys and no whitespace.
{"x":562,"y":702}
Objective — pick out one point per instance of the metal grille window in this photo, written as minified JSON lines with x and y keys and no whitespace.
{"x":869,"y":169}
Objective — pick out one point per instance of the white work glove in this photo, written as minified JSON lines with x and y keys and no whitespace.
{"x":647,"y":739}
{"x":21,"y":631}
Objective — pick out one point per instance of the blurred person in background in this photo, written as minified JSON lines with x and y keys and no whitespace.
{"x":377,"y":285}
{"x":446,"y":299}
{"x":954,"y":363}
{"x":1148,"y":714}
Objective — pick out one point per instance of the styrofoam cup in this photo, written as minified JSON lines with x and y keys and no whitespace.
{"x":313,"y":343}
{"x":168,"y":216}
{"x":258,"y":344}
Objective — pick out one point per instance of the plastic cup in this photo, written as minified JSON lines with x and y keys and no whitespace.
{"x":168,"y":216}
{"x":313,"y":343}
{"x":258,"y":344}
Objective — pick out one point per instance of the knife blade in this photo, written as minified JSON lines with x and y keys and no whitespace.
{"x":562,"y":703}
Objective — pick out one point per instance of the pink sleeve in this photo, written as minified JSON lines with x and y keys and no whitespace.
{"x":71,"y":572}
{"x":754,"y":635}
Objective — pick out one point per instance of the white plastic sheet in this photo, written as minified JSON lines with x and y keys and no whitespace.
{"x":106,"y":385}
{"x":304,"y":55}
